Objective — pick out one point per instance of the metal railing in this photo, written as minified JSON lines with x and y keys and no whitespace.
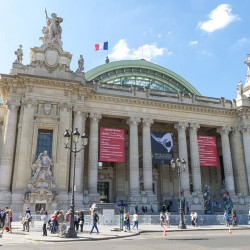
{"x":114,"y":220}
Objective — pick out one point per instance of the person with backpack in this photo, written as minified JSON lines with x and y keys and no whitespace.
{"x":95,"y":219}
{"x":27,"y":219}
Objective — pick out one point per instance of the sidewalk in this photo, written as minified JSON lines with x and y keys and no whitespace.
{"x":106,"y":233}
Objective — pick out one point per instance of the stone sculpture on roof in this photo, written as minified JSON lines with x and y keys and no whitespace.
{"x":80,"y":64}
{"x":19,"y":55}
{"x":52,"y":34}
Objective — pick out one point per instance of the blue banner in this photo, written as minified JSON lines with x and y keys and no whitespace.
{"x":162,"y":147}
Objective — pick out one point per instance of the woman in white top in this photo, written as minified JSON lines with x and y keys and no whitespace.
{"x":135,"y":220}
{"x":44,"y":219}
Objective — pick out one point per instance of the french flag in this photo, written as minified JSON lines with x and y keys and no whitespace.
{"x":102,"y":46}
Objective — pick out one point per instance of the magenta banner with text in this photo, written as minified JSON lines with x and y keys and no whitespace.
{"x":112,"y":145}
{"x":207,"y":151}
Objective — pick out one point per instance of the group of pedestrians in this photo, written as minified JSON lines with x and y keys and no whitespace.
{"x":60,"y":222}
{"x":126,"y":219}
{"x":230,"y":219}
{"x":5,"y":220}
{"x":194,"y":217}
{"x":164,"y":219}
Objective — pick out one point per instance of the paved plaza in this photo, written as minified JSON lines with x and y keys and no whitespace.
{"x":106,"y":233}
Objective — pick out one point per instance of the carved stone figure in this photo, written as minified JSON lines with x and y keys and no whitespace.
{"x":228,"y":203}
{"x":42,"y":185}
{"x":80,"y":64}
{"x":19,"y":54}
{"x":42,"y":167}
{"x":207,"y":199}
{"x":239,"y":89}
{"x":53,"y":32}
{"x":47,"y":108}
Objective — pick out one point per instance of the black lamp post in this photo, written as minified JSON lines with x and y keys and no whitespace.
{"x":67,"y":135}
{"x":180,"y":165}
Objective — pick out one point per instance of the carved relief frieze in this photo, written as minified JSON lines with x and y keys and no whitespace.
{"x":106,"y":174}
{"x":47,"y":109}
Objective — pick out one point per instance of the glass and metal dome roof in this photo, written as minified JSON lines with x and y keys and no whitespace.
{"x":140,"y":73}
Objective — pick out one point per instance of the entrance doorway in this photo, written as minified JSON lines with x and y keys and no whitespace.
{"x":103,"y":190}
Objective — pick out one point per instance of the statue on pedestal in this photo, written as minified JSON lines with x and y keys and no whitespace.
{"x":228,"y":203}
{"x":207,"y":200}
{"x":19,"y":55}
{"x":53,"y":32}
{"x":41,"y":170}
{"x":239,"y":89}
{"x":80,"y":64}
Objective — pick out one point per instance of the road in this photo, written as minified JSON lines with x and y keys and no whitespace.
{"x":188,"y":240}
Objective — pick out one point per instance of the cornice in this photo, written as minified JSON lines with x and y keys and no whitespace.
{"x":159,"y":104}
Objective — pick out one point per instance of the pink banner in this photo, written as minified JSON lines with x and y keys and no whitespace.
{"x":207,"y":151}
{"x":112,"y":145}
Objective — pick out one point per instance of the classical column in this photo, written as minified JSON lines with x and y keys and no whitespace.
{"x":78,"y":122}
{"x":227,"y":160}
{"x":183,"y":154}
{"x":246,"y":142}
{"x":22,"y":171}
{"x":147,"y":156}
{"x":93,"y":155}
{"x":134,"y":156}
{"x":9,"y":140}
{"x":1,"y":139}
{"x":62,"y":161}
{"x":195,"y":160}
{"x":238,"y":160}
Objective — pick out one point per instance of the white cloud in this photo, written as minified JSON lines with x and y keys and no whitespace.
{"x":205,"y":53}
{"x":219,"y":18}
{"x":147,"y":51}
{"x":241,"y":42}
{"x":193,"y":43}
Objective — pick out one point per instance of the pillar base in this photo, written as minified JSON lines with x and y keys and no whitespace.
{"x":5,"y":199}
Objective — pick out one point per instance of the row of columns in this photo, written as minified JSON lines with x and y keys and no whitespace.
{"x":9,"y":142}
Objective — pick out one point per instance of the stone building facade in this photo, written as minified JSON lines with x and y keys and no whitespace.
{"x":43,"y":99}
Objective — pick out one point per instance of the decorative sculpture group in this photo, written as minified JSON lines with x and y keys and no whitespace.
{"x":52,"y":34}
{"x":41,"y":171}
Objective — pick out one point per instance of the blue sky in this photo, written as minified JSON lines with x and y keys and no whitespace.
{"x":204,"y":41}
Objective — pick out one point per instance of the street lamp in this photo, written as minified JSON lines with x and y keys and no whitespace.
{"x":67,"y":135}
{"x":180,"y":166}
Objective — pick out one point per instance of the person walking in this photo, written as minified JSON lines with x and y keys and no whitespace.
{"x":76,"y":221}
{"x":135,"y":220}
{"x":44,"y":219}
{"x":7,"y":221}
{"x":81,"y":223}
{"x":162,"y":219}
{"x":27,"y":219}
{"x":54,"y":222}
{"x":127,"y":222}
{"x":167,"y":219}
{"x":234,"y":219}
{"x":226,"y":217}
{"x":95,"y":219}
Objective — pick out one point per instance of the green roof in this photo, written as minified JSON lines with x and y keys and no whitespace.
{"x":140,"y":72}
